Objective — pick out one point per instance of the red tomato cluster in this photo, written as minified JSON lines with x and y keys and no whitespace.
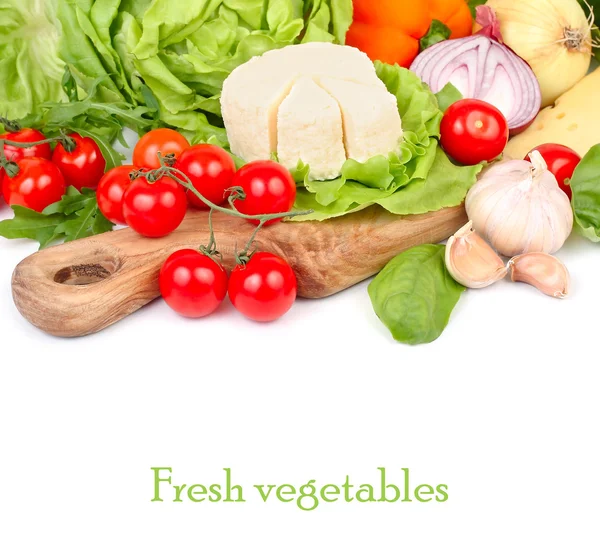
{"x":43,"y":176}
{"x":193,"y":283}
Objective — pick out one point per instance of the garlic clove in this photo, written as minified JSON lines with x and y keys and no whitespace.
{"x":471,"y":261}
{"x":542,"y":271}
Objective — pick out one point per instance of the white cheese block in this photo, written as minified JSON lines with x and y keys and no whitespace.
{"x":370,"y":116}
{"x":318,"y":59}
{"x":251,"y":114}
{"x":309,"y":128}
{"x":254,"y":92}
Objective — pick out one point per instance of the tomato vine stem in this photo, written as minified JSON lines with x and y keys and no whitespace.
{"x":237,"y":194}
{"x":10,"y":167}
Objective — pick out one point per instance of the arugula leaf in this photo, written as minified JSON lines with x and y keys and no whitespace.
{"x":438,"y":32}
{"x":81,"y":225}
{"x":71,"y":202}
{"x":111,"y":155}
{"x":74,"y":217}
{"x":69,"y":85}
{"x":150,"y":99}
{"x":30,"y":224}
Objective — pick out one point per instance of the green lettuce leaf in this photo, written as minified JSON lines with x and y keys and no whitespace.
{"x":447,"y":96}
{"x":174,"y":55}
{"x":30,"y":68}
{"x":418,"y":179}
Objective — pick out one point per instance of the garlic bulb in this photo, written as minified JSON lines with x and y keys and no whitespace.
{"x":518,"y":208}
{"x":553,"y":36}
{"x":542,"y":271}
{"x":471,"y":261}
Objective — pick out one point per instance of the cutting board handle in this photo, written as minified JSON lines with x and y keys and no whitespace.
{"x":84,"y":286}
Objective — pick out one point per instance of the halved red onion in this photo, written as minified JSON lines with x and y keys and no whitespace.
{"x":481,"y":67}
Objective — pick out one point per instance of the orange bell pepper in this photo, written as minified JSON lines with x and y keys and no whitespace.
{"x":390,"y":30}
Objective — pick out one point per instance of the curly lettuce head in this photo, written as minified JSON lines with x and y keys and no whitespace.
{"x":30,"y":67}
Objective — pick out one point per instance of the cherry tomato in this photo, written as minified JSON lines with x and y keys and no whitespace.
{"x":15,"y":153}
{"x":269,"y":189}
{"x":562,"y":162}
{"x":111,"y":190}
{"x":84,"y":166}
{"x":154,"y":209}
{"x":25,"y":135}
{"x":192,"y":284}
{"x":163,"y":140}
{"x":39,"y":183}
{"x":264,"y":289}
{"x":210,"y":170}
{"x":473,"y":131}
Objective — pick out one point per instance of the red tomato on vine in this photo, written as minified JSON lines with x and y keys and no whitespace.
{"x":192,"y":283}
{"x":154,"y":209}
{"x":264,"y":288}
{"x":84,"y":166}
{"x":37,"y":184}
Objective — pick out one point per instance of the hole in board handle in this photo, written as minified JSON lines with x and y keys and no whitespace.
{"x":84,"y":274}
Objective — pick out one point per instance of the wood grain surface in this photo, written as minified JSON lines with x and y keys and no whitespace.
{"x":82,"y":287}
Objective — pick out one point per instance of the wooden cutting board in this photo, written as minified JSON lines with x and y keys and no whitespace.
{"x":82,"y":287}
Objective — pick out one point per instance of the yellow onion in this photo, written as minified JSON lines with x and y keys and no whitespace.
{"x":553,"y":36}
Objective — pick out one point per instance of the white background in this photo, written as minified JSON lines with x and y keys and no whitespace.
{"x":503,"y":408}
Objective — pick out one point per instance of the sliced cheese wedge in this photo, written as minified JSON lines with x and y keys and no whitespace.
{"x":309,"y":128}
{"x":573,"y":121}
{"x":372,"y":124}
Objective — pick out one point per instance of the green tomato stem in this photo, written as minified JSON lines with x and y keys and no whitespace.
{"x":66,"y":141}
{"x":10,"y":167}
{"x":181,"y":178}
{"x":10,"y":126}
{"x":236,"y":193}
{"x":243,"y":257}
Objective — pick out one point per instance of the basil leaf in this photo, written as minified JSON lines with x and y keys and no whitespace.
{"x":585,"y":186}
{"x":414,"y":294}
{"x":447,"y":96}
{"x":438,"y":32}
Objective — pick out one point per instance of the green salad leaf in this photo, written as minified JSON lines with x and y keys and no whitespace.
{"x":75,"y":216}
{"x":414,"y":295}
{"x":170,"y":57}
{"x":30,"y":68}
{"x":447,"y":96}
{"x":417,"y":179}
{"x":585,"y":186}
